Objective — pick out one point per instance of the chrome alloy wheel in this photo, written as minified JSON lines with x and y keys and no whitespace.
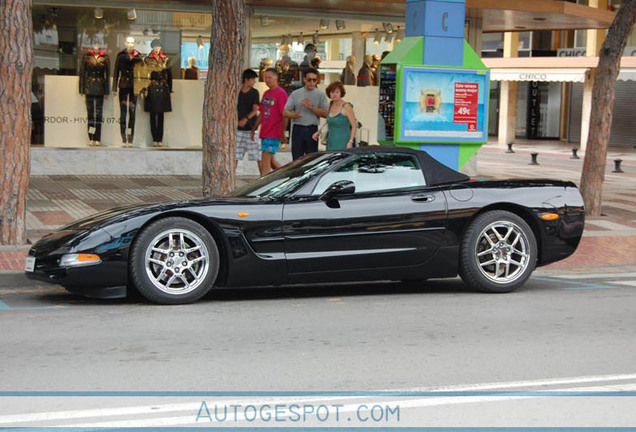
{"x":502,"y":252}
{"x":177,"y":261}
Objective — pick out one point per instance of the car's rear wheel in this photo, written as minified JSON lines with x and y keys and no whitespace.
{"x":498,"y":252}
{"x":174,"y":261}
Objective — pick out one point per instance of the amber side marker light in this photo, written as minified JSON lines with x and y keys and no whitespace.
{"x":87,"y":257}
{"x":243,"y":214}
{"x":81,"y":259}
{"x":549,"y":216}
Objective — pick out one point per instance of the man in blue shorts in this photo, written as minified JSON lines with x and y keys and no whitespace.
{"x":271,"y":122}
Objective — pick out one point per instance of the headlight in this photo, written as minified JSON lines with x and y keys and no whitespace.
{"x":78,"y":260}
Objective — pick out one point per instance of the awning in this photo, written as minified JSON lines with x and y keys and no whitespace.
{"x":627,"y":74}
{"x":559,"y":75}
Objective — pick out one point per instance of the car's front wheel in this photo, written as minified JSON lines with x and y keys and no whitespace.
{"x":498,"y":252}
{"x":174,"y":261}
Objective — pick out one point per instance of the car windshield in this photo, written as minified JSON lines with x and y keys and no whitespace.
{"x":290,"y":177}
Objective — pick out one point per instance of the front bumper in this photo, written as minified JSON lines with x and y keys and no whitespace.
{"x":103,"y":275}
{"x":109,"y":276}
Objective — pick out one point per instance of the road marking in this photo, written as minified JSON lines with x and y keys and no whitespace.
{"x":597,"y":275}
{"x":344,"y":408}
{"x":6,"y":307}
{"x":530,"y":383}
{"x":625,"y":282}
{"x":598,"y":383}
{"x":581,"y":285}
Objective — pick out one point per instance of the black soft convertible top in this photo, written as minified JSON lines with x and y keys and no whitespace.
{"x":435,"y":173}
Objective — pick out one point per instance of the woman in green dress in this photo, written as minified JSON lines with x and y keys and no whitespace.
{"x":341,"y":120}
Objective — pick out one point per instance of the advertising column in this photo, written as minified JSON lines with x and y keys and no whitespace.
{"x":434,"y":88}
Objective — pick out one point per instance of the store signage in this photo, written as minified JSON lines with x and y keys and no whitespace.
{"x":534,"y":110}
{"x":531,"y":76}
{"x":629,"y":51}
{"x":571,"y":52}
{"x":444,"y":105}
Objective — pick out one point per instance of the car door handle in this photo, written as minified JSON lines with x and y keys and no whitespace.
{"x":423,"y":197}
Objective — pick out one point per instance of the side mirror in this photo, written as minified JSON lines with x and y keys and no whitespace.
{"x":341,"y":187}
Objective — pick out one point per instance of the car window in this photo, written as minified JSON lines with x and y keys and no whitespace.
{"x":290,"y":177}
{"x":376,"y":172}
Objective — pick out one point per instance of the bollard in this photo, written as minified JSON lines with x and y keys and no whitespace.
{"x":617,"y":166}
{"x":574,"y":155}
{"x":534,"y":159}
{"x":510,"y":150}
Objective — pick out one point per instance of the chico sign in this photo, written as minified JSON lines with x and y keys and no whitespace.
{"x":530,"y":76}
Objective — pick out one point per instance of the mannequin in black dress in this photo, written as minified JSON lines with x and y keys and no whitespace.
{"x":123,"y":81}
{"x":94,"y":84}
{"x":158,"y":92}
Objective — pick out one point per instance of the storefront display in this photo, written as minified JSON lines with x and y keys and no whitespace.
{"x":288,"y":74}
{"x":387,"y":99}
{"x":68,"y":36}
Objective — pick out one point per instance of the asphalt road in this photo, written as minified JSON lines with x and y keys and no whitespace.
{"x":555,"y":332}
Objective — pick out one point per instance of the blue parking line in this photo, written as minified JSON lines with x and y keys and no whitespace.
{"x":6,"y":307}
{"x":580,"y":284}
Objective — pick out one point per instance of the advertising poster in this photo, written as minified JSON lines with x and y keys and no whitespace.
{"x":444,"y":105}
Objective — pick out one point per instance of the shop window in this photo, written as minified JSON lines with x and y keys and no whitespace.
{"x":580,"y":38}
{"x":492,"y":42}
{"x":345,"y":46}
{"x":66,"y":36}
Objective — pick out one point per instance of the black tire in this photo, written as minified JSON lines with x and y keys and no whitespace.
{"x":492,"y":259}
{"x":174,"y":261}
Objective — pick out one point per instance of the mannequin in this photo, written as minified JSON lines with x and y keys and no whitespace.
{"x":287,"y":69}
{"x":310,"y":53}
{"x":265,"y":64}
{"x":158,"y":92}
{"x":123,"y":81}
{"x":374,"y":77}
{"x":192,"y":72}
{"x":348,"y":73}
{"x":364,"y":74}
{"x":94,"y":84}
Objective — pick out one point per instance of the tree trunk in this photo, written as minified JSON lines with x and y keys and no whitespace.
{"x":16,"y":66}
{"x":603,"y":96}
{"x":221,"y":92}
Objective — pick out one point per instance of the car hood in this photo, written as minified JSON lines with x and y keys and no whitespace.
{"x":96,"y":229}
{"x":107,"y":217}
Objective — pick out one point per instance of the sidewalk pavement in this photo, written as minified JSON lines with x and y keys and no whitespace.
{"x":609,"y":240}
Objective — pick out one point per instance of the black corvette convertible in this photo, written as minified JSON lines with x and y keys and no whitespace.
{"x":370,"y":213}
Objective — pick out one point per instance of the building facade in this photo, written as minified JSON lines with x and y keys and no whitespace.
{"x":71,"y":36}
